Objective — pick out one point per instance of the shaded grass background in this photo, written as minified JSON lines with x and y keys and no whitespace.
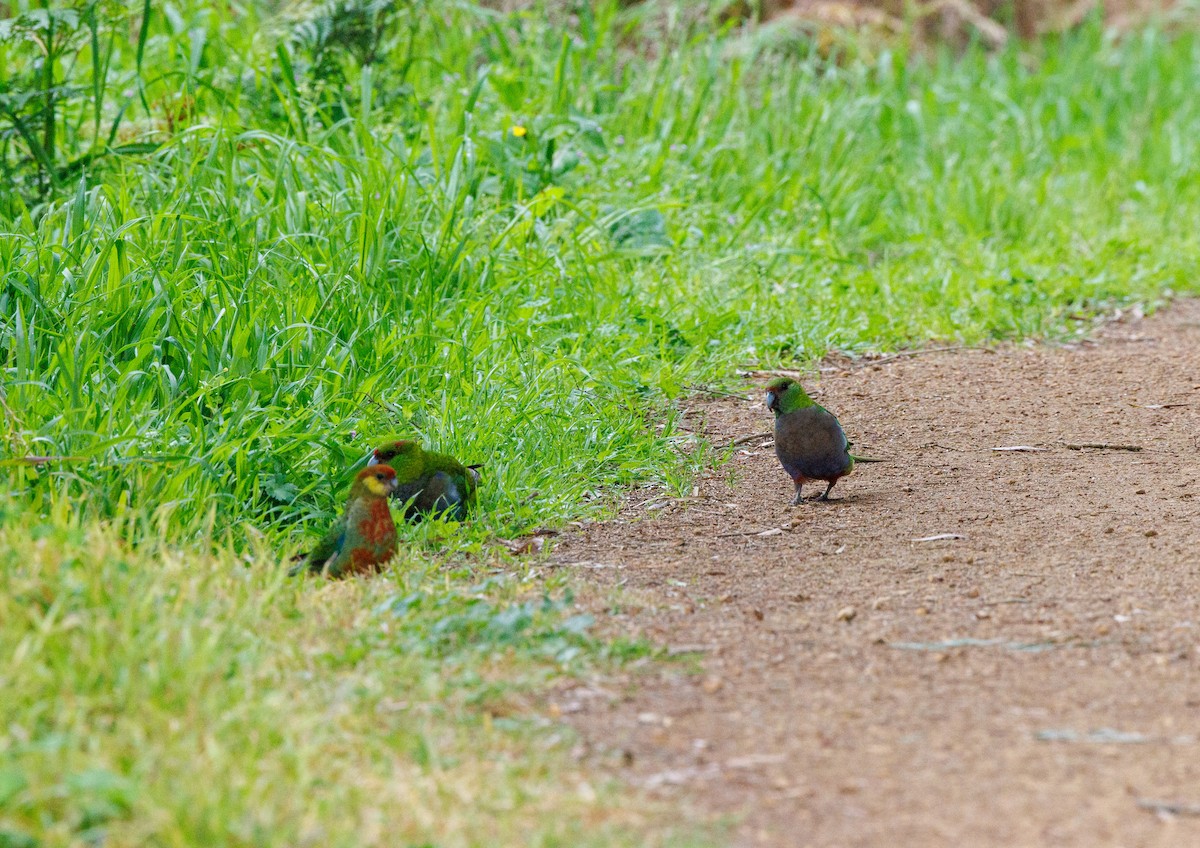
{"x":218,"y":330}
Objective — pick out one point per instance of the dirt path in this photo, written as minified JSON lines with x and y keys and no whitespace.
{"x":823,"y":714}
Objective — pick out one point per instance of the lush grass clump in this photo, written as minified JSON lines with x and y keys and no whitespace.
{"x":315,"y":254}
{"x":240,"y":242}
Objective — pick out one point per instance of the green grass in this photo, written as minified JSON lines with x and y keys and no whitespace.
{"x":208,"y":325}
{"x":215,"y":330}
{"x":165,"y":697}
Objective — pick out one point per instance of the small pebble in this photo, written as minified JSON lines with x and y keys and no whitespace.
{"x":846,"y":614}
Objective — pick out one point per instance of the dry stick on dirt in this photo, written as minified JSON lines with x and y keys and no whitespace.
{"x":743,"y":439}
{"x":1170,"y":808}
{"x":755,"y":371}
{"x":1103,"y":446}
{"x":905,"y":354}
{"x":770,"y":531}
{"x":758,"y":371}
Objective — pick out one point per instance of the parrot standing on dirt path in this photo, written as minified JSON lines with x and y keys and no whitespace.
{"x":364,"y":536}
{"x":809,"y":441}
{"x":428,"y":482}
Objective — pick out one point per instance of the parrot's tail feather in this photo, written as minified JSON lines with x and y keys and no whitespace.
{"x":868,"y":459}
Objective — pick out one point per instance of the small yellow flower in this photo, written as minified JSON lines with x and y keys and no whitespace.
{"x":518,"y":131}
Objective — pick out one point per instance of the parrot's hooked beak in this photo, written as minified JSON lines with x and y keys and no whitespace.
{"x":373,"y":459}
{"x":772,"y":399}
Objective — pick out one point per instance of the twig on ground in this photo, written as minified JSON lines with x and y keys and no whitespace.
{"x":1103,"y":446}
{"x":969,"y":642}
{"x":770,"y":531}
{"x":939,"y":537}
{"x":859,"y":362}
{"x":755,"y":371}
{"x":743,"y":439}
{"x":1100,"y":736}
{"x":1170,"y":808}
{"x":905,"y":354}
{"x":1021,"y":449}
{"x":583,"y":563}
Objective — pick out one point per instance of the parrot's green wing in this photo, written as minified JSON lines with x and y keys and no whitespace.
{"x":441,"y":484}
{"x":330,"y":544}
{"x":465,"y":478}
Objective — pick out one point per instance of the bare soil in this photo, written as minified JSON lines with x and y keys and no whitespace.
{"x":1032,"y":682}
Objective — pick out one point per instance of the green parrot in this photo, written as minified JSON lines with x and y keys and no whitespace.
{"x":364,"y":536}
{"x":809,"y":441}
{"x":428,"y":482}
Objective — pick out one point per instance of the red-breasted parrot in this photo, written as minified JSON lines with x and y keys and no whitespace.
{"x":364,"y":536}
